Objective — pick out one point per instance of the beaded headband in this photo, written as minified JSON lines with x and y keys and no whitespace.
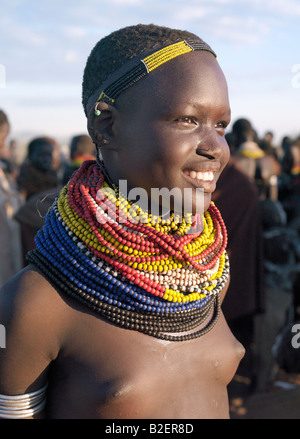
{"x":147,"y":65}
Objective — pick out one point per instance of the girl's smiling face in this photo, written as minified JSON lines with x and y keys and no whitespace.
{"x":167,"y":130}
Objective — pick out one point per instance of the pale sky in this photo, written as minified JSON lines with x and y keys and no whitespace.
{"x":44,"y":46}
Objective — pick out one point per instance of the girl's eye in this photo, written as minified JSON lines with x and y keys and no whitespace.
{"x":187,"y":120}
{"x":222,"y":125}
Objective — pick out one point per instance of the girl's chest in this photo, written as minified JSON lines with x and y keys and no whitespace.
{"x":124,"y":374}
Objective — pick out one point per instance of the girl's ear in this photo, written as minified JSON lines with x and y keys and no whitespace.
{"x":100,"y":124}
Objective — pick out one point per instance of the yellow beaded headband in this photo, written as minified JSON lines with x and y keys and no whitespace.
{"x":147,"y":65}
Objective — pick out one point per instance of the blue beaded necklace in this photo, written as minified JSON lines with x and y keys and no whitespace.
{"x":73,"y":268}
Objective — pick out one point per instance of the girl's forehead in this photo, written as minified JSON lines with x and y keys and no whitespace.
{"x":120,"y":81}
{"x":197,"y":67}
{"x":195,"y":78}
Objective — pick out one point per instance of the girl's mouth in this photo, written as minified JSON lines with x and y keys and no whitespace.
{"x":201,"y":179}
{"x":204,"y":175}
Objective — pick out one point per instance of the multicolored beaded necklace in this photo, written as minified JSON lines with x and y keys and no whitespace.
{"x":152,"y":276}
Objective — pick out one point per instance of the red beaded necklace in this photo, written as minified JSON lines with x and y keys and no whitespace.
{"x":82,"y":196}
{"x":174,"y":276}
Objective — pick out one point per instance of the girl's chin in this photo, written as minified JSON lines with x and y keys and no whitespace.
{"x":207,"y":203}
{"x":203,"y":205}
{"x":198,"y":206}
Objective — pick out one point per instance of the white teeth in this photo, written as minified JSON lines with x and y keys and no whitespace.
{"x":205,"y":176}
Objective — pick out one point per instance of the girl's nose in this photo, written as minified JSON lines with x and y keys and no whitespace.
{"x":210,"y":147}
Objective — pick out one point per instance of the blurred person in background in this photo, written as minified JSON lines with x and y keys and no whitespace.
{"x":266,"y":144}
{"x":289,"y":195}
{"x":237,"y":197}
{"x":10,"y":201}
{"x":36,"y":172}
{"x":260,"y":166}
{"x":258,"y":222}
{"x":7,"y":161}
{"x":31,"y":217}
{"x":38,"y":184}
{"x":81,"y":149}
{"x":289,"y":192}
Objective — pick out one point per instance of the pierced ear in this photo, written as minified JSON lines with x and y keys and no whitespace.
{"x":100,"y":123}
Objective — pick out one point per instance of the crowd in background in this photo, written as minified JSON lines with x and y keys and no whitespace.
{"x":258,"y":195}
{"x":28,"y":189}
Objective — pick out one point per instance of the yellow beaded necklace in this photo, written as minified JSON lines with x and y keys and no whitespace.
{"x":131,"y":271}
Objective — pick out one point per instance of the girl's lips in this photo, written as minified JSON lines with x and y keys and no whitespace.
{"x":204,"y":179}
{"x":204,"y":175}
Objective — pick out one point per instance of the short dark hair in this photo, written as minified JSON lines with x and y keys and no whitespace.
{"x":243,"y":131}
{"x":81,"y":144}
{"x":111,"y":52}
{"x":36,"y":144}
{"x":3,"y":118}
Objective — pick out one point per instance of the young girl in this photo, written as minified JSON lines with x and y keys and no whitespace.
{"x":118,"y":316}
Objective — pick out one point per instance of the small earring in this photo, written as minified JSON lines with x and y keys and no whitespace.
{"x":105,"y":141}
{"x":96,"y":111}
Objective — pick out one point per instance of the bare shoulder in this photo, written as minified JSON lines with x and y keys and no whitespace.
{"x":29,"y":295}
{"x":34,"y":316}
